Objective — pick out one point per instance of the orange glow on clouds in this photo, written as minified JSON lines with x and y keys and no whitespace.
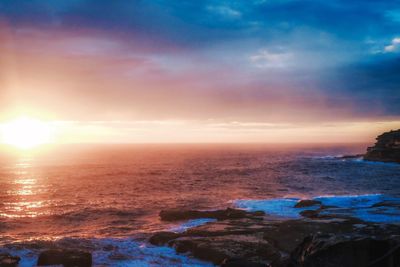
{"x":88,"y":86}
{"x":28,"y":134}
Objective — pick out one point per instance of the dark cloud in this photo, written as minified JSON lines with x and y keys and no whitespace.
{"x":372,"y":87}
{"x":194,"y":22}
{"x":333,"y":48}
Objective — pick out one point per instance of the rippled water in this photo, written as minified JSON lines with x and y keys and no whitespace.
{"x":115,"y":192}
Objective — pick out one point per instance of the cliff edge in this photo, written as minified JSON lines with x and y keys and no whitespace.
{"x":386,"y":148}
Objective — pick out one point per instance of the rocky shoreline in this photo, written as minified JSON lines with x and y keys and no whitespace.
{"x":240,"y":238}
{"x":386,"y":149}
{"x":322,"y":236}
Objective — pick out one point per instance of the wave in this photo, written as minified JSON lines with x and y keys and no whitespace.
{"x":354,"y":158}
{"x":190,"y":224}
{"x":107,"y":252}
{"x":377,"y":208}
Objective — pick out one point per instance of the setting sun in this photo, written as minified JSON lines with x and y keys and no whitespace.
{"x":25,"y":133}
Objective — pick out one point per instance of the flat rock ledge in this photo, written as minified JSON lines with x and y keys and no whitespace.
{"x":65,"y":257}
{"x":229,"y":213}
{"x":314,"y":241}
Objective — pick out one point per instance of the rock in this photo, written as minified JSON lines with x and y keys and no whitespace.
{"x":386,"y":149}
{"x":345,"y":251}
{"x":229,"y":213}
{"x":356,"y":156}
{"x":310,"y":213}
{"x":7,"y":260}
{"x":241,"y":263}
{"x":67,"y":258}
{"x":118,"y":256}
{"x":222,"y":249}
{"x":307,"y":203}
{"x":251,"y":241}
{"x":162,"y":238}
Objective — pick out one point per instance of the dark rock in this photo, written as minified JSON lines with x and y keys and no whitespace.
{"x":345,"y":251}
{"x":241,"y":263}
{"x":356,"y":156}
{"x":200,"y":249}
{"x":177,"y":215}
{"x":310,"y":213}
{"x":67,"y":258}
{"x":162,"y":238}
{"x":220,"y":249}
{"x":7,"y":260}
{"x":118,"y":256}
{"x":249,"y":241}
{"x":307,"y":203}
{"x":386,"y":149}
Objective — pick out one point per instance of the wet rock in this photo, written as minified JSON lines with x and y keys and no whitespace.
{"x":251,"y":241}
{"x":7,"y":260}
{"x":67,"y":258}
{"x":356,"y":156}
{"x":307,"y":203}
{"x":386,"y":148}
{"x":229,"y":213}
{"x":221,"y":249}
{"x":118,"y":256}
{"x":310,"y":213}
{"x":346,"y":251}
{"x":162,"y":238}
{"x":241,"y":263}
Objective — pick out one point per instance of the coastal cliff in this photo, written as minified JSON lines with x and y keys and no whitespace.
{"x":386,"y":148}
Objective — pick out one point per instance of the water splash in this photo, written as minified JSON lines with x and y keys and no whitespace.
{"x":376,"y":208}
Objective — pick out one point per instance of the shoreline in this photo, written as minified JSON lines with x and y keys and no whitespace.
{"x":316,"y":238}
{"x":222,"y":232}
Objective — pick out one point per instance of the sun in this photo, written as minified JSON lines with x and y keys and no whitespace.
{"x":25,"y":133}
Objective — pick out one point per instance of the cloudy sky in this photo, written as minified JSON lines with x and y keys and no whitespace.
{"x":203,"y":71}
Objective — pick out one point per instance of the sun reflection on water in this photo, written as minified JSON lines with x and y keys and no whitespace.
{"x":23,"y":192}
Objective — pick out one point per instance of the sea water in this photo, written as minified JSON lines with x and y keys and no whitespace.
{"x":106,"y":199}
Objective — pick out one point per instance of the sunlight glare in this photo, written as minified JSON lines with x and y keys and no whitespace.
{"x":25,"y":133}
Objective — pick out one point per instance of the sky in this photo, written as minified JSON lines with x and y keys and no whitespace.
{"x":202,"y":71}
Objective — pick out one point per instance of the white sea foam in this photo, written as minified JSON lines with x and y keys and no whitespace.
{"x":359,"y":206}
{"x":283,"y":207}
{"x":121,"y":253}
{"x":134,"y":253}
{"x":125,"y":252}
{"x":189,"y":224}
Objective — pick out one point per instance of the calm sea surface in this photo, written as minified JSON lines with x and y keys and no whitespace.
{"x":113,"y":193}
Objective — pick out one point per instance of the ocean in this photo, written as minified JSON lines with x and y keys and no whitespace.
{"x":106,"y":198}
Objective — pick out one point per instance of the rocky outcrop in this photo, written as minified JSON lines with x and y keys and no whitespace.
{"x":65,"y":257}
{"x":315,"y":241}
{"x":346,"y":251}
{"x":356,"y":156}
{"x":229,"y":213}
{"x":386,"y":148}
{"x":307,"y":203}
{"x":7,"y":260}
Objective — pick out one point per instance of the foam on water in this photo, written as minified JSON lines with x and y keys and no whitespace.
{"x":376,"y":208}
{"x":283,"y":207}
{"x":134,"y":253}
{"x":189,"y":224}
{"x":119,"y":253}
{"x":361,"y":160}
